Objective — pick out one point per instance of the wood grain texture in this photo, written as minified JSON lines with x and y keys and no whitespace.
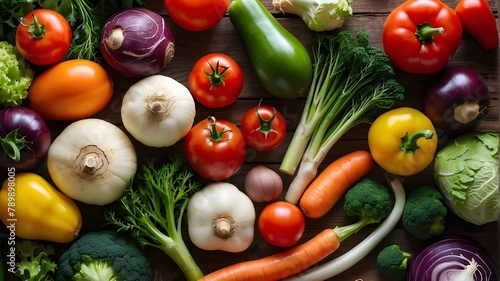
{"x":369,"y":16}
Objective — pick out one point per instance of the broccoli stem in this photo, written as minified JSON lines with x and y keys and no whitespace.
{"x":96,"y":270}
{"x":343,"y":232}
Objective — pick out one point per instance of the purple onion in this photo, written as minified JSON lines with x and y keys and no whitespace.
{"x":25,"y":139}
{"x":137,"y":42}
{"x":452,"y":257}
{"x":457,"y":100}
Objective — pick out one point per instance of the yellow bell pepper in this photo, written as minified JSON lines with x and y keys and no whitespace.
{"x":32,"y":209}
{"x":403,"y":141}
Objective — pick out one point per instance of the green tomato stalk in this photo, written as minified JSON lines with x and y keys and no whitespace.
{"x":152,"y":209}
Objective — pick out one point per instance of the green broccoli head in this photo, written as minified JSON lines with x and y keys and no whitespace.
{"x":103,"y":256}
{"x":369,"y":200}
{"x":16,"y":76}
{"x":393,"y":262}
{"x":424,"y":213}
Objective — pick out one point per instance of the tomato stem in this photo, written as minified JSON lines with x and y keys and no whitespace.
{"x":425,"y":32}
{"x":265,"y":126}
{"x":409,"y":142}
{"x":214,"y":134}
{"x":216,"y":78}
{"x":36,"y":29}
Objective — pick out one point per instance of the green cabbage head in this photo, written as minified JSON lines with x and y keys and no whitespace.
{"x":466,"y":172}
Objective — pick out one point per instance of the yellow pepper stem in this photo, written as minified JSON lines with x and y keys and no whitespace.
{"x":409,"y":142}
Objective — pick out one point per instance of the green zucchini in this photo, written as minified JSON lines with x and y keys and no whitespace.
{"x":279,"y":60}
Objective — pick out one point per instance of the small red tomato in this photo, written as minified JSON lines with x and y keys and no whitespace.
{"x":215,"y":149}
{"x":281,"y":223}
{"x":196,"y":15}
{"x":216,"y":80}
{"x":43,"y":37}
{"x":263,"y":127}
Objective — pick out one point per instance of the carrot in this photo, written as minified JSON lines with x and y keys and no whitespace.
{"x":282,"y":264}
{"x":332,"y":183}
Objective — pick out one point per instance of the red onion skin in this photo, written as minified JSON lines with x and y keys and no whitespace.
{"x":459,"y":248}
{"x":36,"y":133}
{"x":451,"y":88}
{"x":147,"y":46}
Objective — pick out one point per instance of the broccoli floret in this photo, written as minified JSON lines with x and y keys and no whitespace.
{"x":35,"y":262}
{"x":370,"y":201}
{"x":103,"y":256}
{"x":424,"y":213}
{"x":16,"y":76}
{"x":393,"y":262}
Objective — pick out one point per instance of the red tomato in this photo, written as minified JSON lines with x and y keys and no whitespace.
{"x":281,"y":223}
{"x":43,"y":37}
{"x":263,"y":127}
{"x":196,"y":15}
{"x":215,"y":149}
{"x":216,"y":80}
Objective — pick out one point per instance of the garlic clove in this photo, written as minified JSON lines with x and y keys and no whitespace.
{"x":263,"y":184}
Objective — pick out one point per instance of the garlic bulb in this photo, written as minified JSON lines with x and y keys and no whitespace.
{"x":221,"y":217}
{"x":263,"y":184}
{"x":92,"y":161}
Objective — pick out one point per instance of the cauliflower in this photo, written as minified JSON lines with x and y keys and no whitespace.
{"x":319,"y":15}
{"x":16,"y":76}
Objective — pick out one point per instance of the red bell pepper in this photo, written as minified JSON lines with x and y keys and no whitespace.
{"x":478,"y":20}
{"x":421,"y":36}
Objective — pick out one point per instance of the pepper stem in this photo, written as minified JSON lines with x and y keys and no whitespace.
{"x":409,"y":142}
{"x":12,"y":145}
{"x":425,"y":32}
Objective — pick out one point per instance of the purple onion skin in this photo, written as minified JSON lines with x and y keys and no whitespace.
{"x":147,"y":46}
{"x":452,"y":87}
{"x":452,"y":248}
{"x":33,"y":129}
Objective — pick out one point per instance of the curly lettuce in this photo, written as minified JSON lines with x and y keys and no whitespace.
{"x":466,"y":171}
{"x":16,"y":76}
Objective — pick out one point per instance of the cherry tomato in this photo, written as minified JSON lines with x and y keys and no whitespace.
{"x":196,"y":15}
{"x":281,"y":223}
{"x":215,"y":149}
{"x":43,"y":37}
{"x":216,"y":80}
{"x":263,"y":127}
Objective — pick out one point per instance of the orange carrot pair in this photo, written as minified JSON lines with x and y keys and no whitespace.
{"x":332,"y":183}
{"x":282,"y":264}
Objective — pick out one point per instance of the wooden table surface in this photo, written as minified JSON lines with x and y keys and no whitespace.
{"x":369,"y":15}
